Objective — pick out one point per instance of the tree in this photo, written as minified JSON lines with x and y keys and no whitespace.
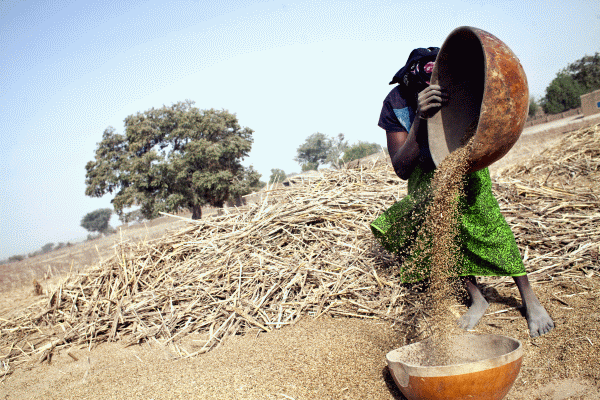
{"x":338,"y":147}
{"x":586,"y":71}
{"x":91,"y":236}
{"x":360,"y":150}
{"x":580,"y":77}
{"x":48,"y":247}
{"x":17,"y":257}
{"x":97,"y":221}
{"x":313,"y":152}
{"x":562,"y":94}
{"x":533,"y":106}
{"x":248,"y":182}
{"x":277,"y":176}
{"x":131,"y":216}
{"x":173,"y":158}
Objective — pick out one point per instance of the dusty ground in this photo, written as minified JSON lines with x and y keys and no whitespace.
{"x":325,"y":358}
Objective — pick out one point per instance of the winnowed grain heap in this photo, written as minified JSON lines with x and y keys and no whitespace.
{"x":305,"y":250}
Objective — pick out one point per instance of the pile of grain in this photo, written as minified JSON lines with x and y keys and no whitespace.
{"x":305,"y":250}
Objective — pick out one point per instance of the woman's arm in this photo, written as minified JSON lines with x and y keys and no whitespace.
{"x":403,"y":146}
{"x":404,"y":150}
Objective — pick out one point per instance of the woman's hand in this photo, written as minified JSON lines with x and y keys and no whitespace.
{"x":430,"y":101}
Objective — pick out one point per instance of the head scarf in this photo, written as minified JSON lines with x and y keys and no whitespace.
{"x":416,"y":74}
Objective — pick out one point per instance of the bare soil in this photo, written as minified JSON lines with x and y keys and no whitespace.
{"x":324,"y":358}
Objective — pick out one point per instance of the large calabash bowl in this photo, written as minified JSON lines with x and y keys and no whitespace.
{"x":488,"y":97}
{"x":481,"y":367}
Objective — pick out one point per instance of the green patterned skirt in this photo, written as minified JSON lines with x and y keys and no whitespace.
{"x":487,"y":243}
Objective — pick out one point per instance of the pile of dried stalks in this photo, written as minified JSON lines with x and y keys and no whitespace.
{"x":552,"y":203}
{"x":305,"y":250}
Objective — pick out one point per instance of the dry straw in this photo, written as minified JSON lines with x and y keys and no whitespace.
{"x":304,"y":250}
{"x":552,"y":203}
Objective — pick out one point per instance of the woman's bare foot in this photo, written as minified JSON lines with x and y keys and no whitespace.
{"x":478,"y":305}
{"x":473,"y":315}
{"x":538,"y":319}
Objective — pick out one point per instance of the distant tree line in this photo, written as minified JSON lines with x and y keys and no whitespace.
{"x":563,"y":93}
{"x":318,"y":149}
{"x":95,"y":221}
{"x":47,"y":248}
{"x":15,"y":258}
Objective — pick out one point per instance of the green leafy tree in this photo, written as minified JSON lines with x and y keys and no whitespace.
{"x":277,"y":175}
{"x":533,"y":106}
{"x":338,"y":147}
{"x":360,"y":150}
{"x":580,"y":77}
{"x":173,"y":158}
{"x":131,"y":216}
{"x":313,"y":151}
{"x":562,"y":94}
{"x":16,"y":258}
{"x":586,"y":72}
{"x":97,"y":221}
{"x":310,"y":166}
{"x":48,"y":247}
{"x":248,"y":182}
{"x":319,"y":149}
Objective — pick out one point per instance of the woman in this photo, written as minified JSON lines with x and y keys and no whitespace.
{"x":487,"y":244}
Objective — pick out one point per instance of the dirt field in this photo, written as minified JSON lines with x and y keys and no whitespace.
{"x":326,"y":358}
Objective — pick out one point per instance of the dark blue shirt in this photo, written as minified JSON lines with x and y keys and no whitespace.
{"x":397,"y":116}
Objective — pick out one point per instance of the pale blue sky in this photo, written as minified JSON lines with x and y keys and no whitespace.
{"x":71,"y":68}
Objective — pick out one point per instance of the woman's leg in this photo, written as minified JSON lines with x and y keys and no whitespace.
{"x":538,"y":319}
{"x":477,"y":307}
